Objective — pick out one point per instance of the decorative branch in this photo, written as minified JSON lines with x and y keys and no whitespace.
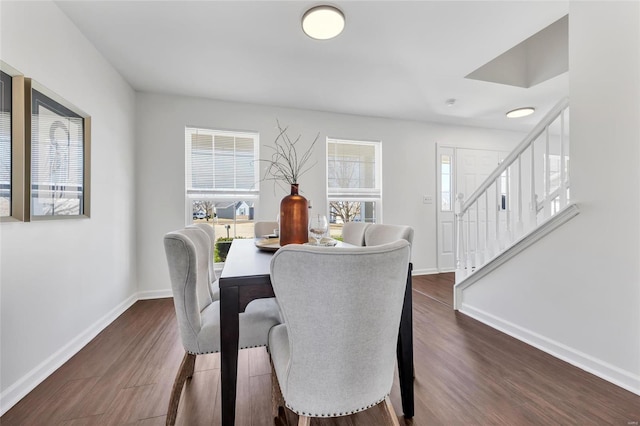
{"x":285,"y":165}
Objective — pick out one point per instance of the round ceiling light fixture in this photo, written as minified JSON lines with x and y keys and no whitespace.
{"x":521,"y":112}
{"x":323,"y":22}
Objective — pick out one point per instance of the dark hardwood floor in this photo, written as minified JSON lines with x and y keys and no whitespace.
{"x":438,"y":287}
{"x":466,"y":373}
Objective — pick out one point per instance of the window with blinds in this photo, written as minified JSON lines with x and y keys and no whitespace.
{"x":12,"y":144}
{"x":221,"y":164}
{"x":354,"y":181}
{"x":5,"y":144}
{"x":222,"y":179}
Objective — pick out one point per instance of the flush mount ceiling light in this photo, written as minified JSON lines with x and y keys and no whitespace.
{"x":323,"y":22}
{"x":521,"y":112}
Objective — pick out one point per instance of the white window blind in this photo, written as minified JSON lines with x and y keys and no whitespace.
{"x":5,"y":144}
{"x":221,"y":165}
{"x":353,"y":170}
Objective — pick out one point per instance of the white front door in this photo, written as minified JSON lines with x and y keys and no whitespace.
{"x":459,"y":170}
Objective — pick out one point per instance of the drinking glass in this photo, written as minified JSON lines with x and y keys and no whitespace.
{"x":318,"y":226}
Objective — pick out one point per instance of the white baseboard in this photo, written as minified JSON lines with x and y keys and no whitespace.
{"x":426,"y":271}
{"x":154,"y":294}
{"x":33,"y":378}
{"x":625,"y":379}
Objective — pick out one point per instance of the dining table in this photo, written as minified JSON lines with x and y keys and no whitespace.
{"x":246,"y":277}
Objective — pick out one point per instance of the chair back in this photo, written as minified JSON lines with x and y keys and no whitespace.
{"x":353,"y":232}
{"x":378,"y":234}
{"x":264,"y":228}
{"x":342,"y":309}
{"x":211,"y":233}
{"x":186,"y":252}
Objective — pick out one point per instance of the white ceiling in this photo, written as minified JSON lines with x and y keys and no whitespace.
{"x":394,"y":59}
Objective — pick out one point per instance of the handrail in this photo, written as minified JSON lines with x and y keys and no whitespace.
{"x":526,"y":142}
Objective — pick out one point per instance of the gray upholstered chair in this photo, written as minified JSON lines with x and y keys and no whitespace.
{"x":336,"y":364}
{"x":377,"y":234}
{"x":198,"y":314}
{"x":264,"y":228}
{"x":353,"y":232}
{"x":213,"y":277}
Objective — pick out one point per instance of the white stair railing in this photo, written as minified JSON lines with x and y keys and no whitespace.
{"x":527,"y":188}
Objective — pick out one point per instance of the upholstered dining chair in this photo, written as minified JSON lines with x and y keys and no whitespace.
{"x":198,"y":314}
{"x":213,"y":277}
{"x":330,"y":364}
{"x":377,"y":234}
{"x":264,"y":228}
{"x":380,"y":233}
{"x":353,"y":232}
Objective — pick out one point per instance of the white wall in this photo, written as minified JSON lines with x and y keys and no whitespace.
{"x":408,"y":162}
{"x":576,"y":293}
{"x":61,"y":281}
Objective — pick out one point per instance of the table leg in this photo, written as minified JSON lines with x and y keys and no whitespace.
{"x":229,"y":332}
{"x":405,"y":351}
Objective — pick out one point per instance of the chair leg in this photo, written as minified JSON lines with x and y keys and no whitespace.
{"x":277,"y":400}
{"x":184,"y":372}
{"x":304,"y":421}
{"x":388,"y":408}
{"x":191,"y":365}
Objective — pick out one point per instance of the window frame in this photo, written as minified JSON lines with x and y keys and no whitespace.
{"x":17,"y":145}
{"x":361,"y":195}
{"x":221,"y":195}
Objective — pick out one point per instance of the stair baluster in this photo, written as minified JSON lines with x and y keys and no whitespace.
{"x":509,"y":221}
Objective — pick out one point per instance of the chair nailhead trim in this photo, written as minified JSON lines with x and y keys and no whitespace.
{"x":215,"y":352}
{"x":357,"y":410}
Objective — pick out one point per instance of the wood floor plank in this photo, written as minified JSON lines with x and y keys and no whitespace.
{"x":208,"y":362}
{"x":466,"y":373}
{"x":162,"y":360}
{"x":36,"y":400}
{"x":104,"y":350}
{"x":154,"y":421}
{"x":243,"y":392}
{"x":127,"y":406}
{"x":57,"y":405}
{"x":260,"y":388}
{"x":197,"y":402}
{"x":436,"y":286}
{"x":132,"y":358}
{"x":84,"y":421}
{"x":258,"y":361}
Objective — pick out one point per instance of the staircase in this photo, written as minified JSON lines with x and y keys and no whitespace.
{"x":526,"y":197}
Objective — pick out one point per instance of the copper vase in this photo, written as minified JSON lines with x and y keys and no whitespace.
{"x":294,"y":218}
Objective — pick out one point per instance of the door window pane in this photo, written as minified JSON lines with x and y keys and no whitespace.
{"x":445,"y":183}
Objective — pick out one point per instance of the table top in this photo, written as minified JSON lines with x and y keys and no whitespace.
{"x":245,"y":259}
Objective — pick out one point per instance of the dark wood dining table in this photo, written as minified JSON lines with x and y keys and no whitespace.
{"x":245,"y":277}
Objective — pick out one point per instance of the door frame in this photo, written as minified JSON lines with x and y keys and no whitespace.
{"x":445,"y":150}
{"x":453,"y":151}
